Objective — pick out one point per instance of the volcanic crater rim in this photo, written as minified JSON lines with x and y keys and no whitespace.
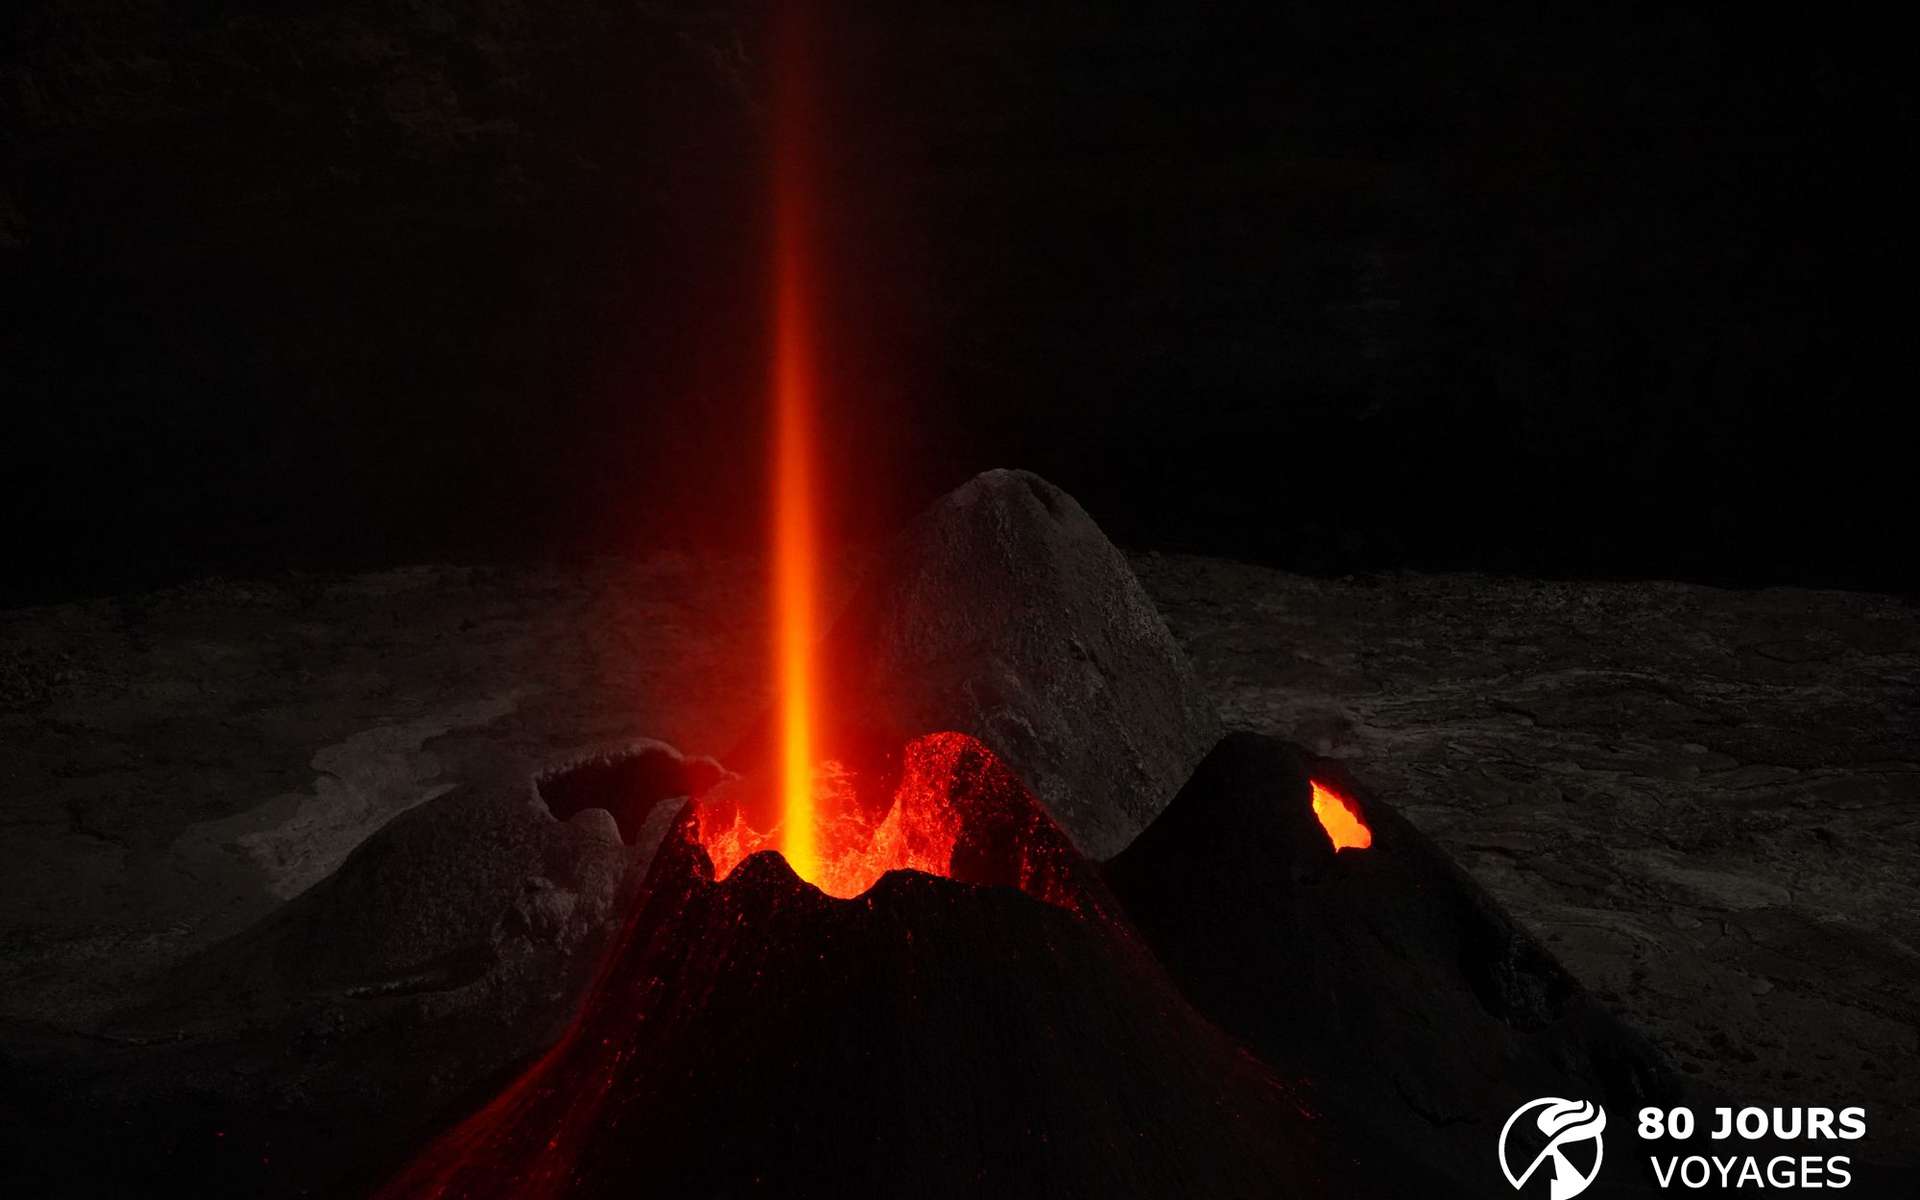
{"x":629,"y":781}
{"x":751,"y":870}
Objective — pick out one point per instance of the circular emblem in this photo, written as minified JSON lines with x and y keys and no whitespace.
{"x":1562,"y":1123}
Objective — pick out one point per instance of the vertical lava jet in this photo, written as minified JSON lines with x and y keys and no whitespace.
{"x":795,"y":516}
{"x":840,"y":822}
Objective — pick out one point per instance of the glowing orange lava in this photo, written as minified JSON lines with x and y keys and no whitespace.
{"x":794,"y":518}
{"x":1340,"y":819}
{"x":917,"y":832}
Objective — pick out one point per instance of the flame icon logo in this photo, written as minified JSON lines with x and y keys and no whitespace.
{"x":1562,"y":1122}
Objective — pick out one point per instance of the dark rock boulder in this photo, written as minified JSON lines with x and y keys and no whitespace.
{"x":1004,"y":612}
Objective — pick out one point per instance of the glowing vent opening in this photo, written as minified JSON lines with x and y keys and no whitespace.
{"x":1340,"y":818}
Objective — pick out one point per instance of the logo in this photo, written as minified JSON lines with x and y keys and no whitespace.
{"x":1562,"y":1122}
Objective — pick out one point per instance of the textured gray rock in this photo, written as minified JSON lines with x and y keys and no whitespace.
{"x":460,"y":935}
{"x":441,"y":895}
{"x":292,"y":842}
{"x":1005,"y":613}
{"x":1706,"y":803}
{"x":170,"y":764}
{"x":482,"y":884}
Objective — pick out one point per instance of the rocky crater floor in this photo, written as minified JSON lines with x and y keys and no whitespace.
{"x":1706,"y":802}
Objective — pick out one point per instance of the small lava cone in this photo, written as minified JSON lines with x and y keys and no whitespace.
{"x":991,"y":1032}
{"x":1378,"y":970}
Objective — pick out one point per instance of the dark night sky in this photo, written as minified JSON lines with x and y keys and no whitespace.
{"x":1352,"y":286}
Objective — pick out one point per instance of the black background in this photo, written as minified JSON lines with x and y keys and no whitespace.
{"x":1341,"y":286}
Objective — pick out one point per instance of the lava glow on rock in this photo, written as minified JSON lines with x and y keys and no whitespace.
{"x":956,"y":811}
{"x":943,"y":805}
{"x":852,"y":846}
{"x":1340,"y":819}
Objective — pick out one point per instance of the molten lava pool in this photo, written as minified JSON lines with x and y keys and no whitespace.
{"x":853,"y":847}
{"x":943,"y":805}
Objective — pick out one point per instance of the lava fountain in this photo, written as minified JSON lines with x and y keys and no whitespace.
{"x":795,"y":517}
{"x":816,"y":818}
